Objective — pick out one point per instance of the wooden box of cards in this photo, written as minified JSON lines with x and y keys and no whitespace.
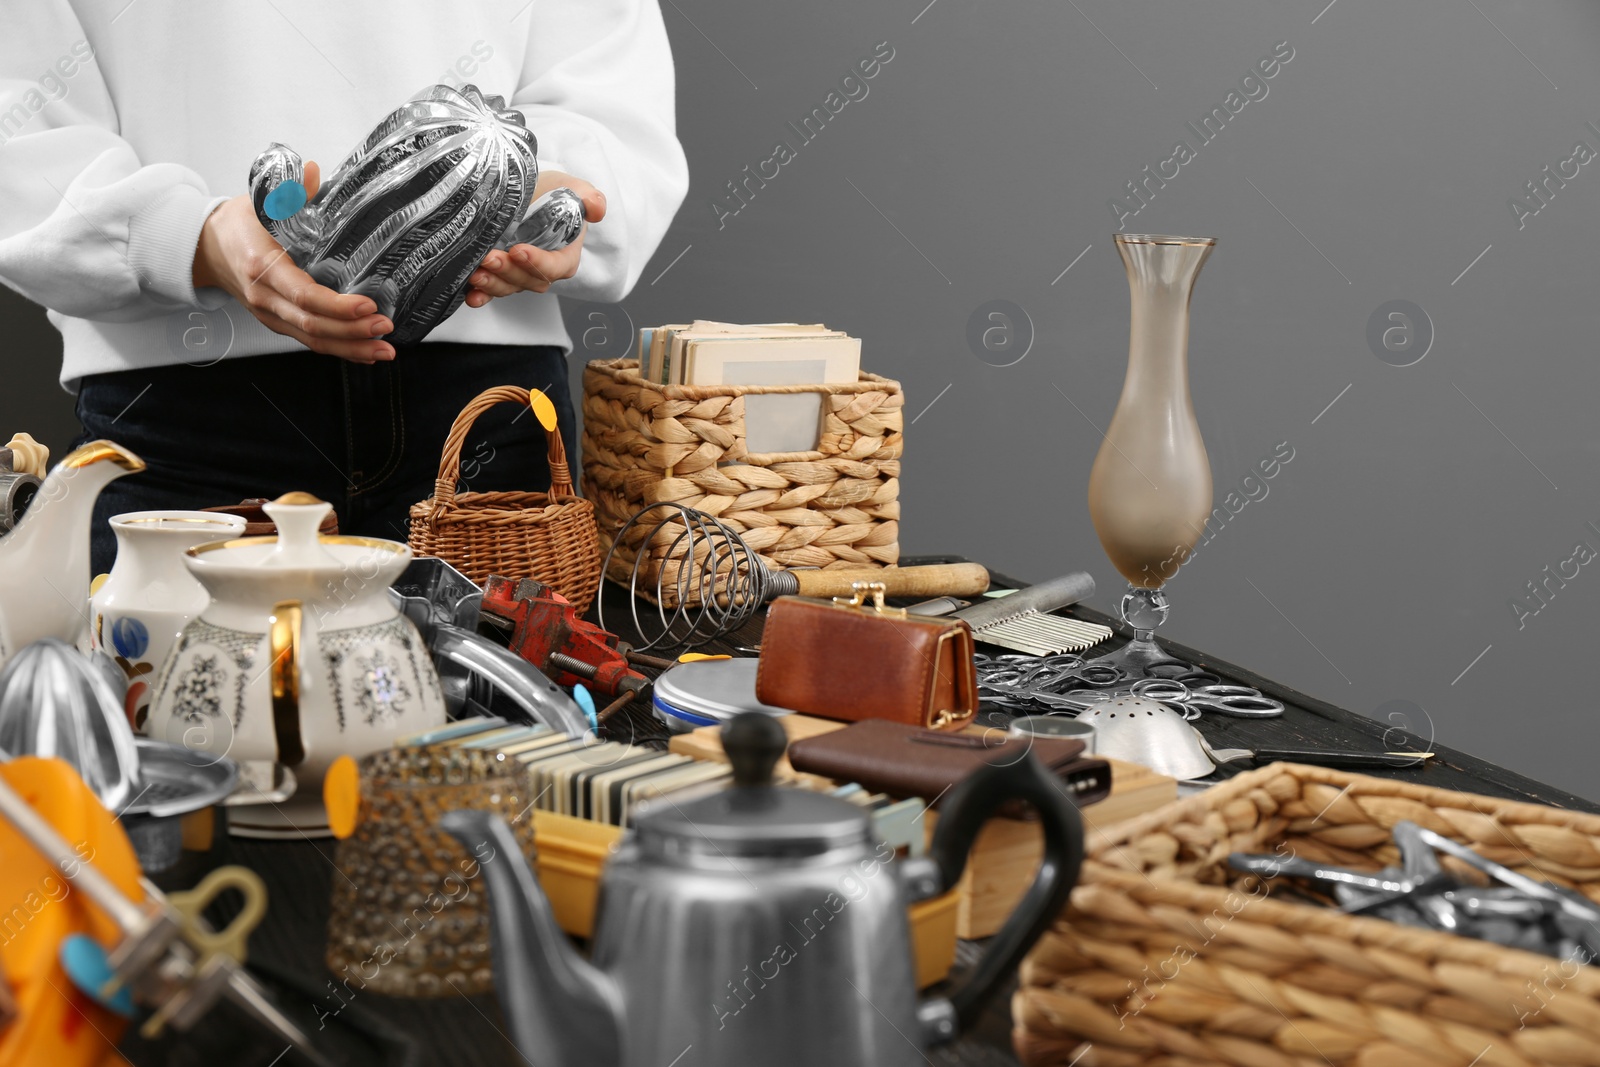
{"x":584,"y":795}
{"x":832,"y":503}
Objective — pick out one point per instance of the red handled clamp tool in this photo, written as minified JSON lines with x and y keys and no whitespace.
{"x":542,"y":626}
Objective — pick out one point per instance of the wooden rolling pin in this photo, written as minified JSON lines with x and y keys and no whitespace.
{"x":937,"y":579}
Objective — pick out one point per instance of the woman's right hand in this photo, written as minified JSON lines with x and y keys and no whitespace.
{"x":236,"y":254}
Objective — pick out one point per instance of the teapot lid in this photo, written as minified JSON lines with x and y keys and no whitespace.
{"x":299,"y":546}
{"x":755,"y":818}
{"x":298,"y":517}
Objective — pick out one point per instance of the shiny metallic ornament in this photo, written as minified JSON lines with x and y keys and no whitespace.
{"x":410,"y":214}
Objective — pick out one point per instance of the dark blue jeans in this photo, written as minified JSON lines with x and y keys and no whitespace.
{"x":365,"y":439}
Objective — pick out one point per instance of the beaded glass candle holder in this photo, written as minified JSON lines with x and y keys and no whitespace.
{"x":410,"y":915}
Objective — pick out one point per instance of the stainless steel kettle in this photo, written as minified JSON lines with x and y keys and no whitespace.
{"x":761,"y":924}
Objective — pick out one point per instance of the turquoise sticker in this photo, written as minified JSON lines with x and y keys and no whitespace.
{"x":285,"y":201}
{"x":85,"y":963}
{"x":586,"y":702}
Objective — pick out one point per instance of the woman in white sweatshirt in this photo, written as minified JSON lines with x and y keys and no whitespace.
{"x":127,"y":129}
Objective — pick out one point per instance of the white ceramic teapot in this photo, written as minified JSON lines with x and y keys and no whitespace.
{"x":44,"y":561}
{"x":300,"y":658}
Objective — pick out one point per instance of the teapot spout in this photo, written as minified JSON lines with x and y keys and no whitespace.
{"x":562,"y":1010}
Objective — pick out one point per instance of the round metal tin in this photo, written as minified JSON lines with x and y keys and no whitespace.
{"x":708,"y":693}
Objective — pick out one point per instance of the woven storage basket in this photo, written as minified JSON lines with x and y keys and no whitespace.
{"x":838,"y":506}
{"x":549,"y":537}
{"x":1165,"y":958}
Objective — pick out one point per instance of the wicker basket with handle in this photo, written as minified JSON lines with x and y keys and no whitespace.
{"x":837,"y":506}
{"x":1165,"y":958}
{"x":549,"y":537}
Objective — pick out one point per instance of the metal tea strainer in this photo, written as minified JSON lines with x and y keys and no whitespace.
{"x":1148,"y":733}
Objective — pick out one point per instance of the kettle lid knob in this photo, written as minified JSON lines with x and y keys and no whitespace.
{"x":753,"y":742}
{"x":756,"y":817}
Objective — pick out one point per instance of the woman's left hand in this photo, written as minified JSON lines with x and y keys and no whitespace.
{"x":526,"y":268}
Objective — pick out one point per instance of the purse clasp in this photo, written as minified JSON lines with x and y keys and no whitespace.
{"x":876,"y":590}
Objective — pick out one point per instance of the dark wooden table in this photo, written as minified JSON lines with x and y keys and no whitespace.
{"x":469,"y":1032}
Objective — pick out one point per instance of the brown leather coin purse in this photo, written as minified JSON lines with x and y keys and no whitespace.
{"x":851,"y":660}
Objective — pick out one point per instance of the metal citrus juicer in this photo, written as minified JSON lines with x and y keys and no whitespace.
{"x":59,"y":704}
{"x":56,"y":701}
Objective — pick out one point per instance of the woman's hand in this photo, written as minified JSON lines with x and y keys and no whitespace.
{"x":236,"y":254}
{"x":526,"y":268}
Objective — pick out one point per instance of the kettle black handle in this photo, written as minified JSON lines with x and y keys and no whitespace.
{"x":961,"y":817}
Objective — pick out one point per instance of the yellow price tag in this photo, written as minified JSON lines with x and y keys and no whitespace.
{"x":341,"y":795}
{"x":543,"y":410}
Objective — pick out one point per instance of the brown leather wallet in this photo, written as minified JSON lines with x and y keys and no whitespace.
{"x":904,"y":761}
{"x":850,"y":661}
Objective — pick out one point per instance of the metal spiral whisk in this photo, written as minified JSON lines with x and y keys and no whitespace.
{"x":708,"y":582}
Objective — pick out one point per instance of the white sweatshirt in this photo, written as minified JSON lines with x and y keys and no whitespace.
{"x":124,"y":123}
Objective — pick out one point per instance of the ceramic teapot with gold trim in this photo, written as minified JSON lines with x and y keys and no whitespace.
{"x":44,"y":560}
{"x":300,"y":657}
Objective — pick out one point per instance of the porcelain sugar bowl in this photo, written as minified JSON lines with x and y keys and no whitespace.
{"x":300,"y":658}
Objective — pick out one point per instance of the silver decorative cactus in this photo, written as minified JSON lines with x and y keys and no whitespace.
{"x":408,"y":216}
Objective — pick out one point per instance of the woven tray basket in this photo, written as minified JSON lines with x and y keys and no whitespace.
{"x":1166,"y":959}
{"x":549,"y":537}
{"x":838,"y":506}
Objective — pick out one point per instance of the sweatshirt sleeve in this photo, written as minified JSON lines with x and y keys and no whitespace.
{"x":597,"y":91}
{"x":86,"y":228}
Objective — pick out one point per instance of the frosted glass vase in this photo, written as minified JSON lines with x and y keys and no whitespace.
{"x":1150,"y":488}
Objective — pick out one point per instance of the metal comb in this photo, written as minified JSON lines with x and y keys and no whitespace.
{"x":1021,"y":621}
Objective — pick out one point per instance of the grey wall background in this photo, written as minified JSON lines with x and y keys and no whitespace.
{"x":1382,"y":564}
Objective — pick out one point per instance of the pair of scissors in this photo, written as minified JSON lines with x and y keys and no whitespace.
{"x":1018,"y":675}
{"x":1067,"y":681}
{"x":1241,"y":701}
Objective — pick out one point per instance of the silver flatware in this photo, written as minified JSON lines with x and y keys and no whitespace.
{"x":1271,"y":866}
{"x":1572,"y":904}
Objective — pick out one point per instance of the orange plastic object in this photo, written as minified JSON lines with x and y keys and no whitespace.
{"x":341,"y":795}
{"x":56,"y":1023}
